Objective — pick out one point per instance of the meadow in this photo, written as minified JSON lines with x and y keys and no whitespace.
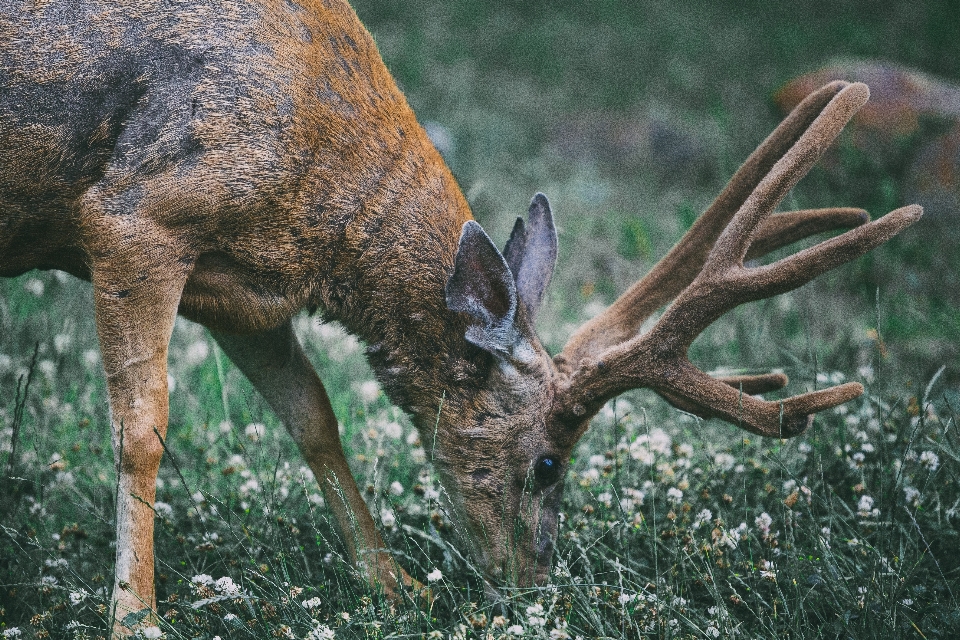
{"x":630,"y":117}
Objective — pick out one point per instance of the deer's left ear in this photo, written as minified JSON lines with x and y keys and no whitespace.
{"x":482,"y":287}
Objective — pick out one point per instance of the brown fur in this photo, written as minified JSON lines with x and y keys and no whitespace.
{"x":238,"y":161}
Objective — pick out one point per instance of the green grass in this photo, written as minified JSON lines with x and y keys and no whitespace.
{"x":630,"y":116}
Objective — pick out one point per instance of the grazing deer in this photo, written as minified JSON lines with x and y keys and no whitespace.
{"x":238,"y":161}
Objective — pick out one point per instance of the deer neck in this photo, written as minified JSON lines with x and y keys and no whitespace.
{"x":388,"y":285}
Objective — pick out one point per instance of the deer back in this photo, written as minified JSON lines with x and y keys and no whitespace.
{"x":266,"y":140}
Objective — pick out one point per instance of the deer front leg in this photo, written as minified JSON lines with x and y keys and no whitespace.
{"x":136,"y":305}
{"x":275,"y":363}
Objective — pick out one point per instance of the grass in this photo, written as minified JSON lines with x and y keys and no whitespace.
{"x":630,"y":117}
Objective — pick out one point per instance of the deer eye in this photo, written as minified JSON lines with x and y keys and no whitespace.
{"x":546,"y":470}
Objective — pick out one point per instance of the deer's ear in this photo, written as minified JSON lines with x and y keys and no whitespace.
{"x":531,"y":254}
{"x":482,"y":287}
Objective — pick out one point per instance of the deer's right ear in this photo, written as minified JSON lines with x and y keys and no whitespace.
{"x":482,"y":287}
{"x":531,"y":253}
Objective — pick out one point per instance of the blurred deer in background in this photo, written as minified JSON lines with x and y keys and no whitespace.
{"x":902,"y":98}
{"x":239,"y":161}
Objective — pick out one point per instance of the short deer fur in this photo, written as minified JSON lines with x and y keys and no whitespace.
{"x":236,"y":162}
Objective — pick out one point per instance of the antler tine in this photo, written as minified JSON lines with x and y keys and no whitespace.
{"x":622,"y":320}
{"x":782,"y":229}
{"x":658,"y":359}
{"x":732,"y":245}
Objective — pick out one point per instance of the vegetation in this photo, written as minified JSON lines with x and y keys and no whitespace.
{"x":630,"y":116}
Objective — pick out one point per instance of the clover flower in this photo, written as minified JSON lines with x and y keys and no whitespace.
{"x":930,"y":460}
{"x":227,"y":586}
{"x":763,"y":522}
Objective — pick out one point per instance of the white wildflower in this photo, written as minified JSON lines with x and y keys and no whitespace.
{"x":434,"y":575}
{"x":368,"y":391}
{"x":151,"y":633}
{"x":396,"y":488}
{"x":61,"y":342}
{"x":560,"y":633}
{"x":254,"y":431}
{"x":48,"y":368}
{"x":321,"y":632}
{"x":724,"y":461}
{"x":312,"y":603}
{"x":227,"y":586}
{"x":763,"y":522}
{"x":864,"y":506}
{"x":535,"y":615}
{"x":767,"y":570}
{"x":591,"y":475}
{"x":911,"y":495}
{"x":12,"y":632}
{"x":76,"y":597}
{"x":646,"y":445}
{"x":702,"y":517}
{"x":202,"y":580}
{"x":197,"y":352}
{"x":930,"y":460}
{"x":91,"y":357}
{"x":515,"y":630}
{"x":387,"y":518}
{"x":393,"y":430}
{"x":34,"y":286}
{"x":163,"y":509}
{"x":674,"y":495}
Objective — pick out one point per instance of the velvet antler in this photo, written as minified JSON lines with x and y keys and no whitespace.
{"x":706,"y":275}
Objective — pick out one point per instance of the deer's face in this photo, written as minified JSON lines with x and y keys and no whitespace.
{"x":501,"y":459}
{"x":503,"y":464}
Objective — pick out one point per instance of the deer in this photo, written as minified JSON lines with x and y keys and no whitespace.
{"x":238,"y":162}
{"x":903,"y":100}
